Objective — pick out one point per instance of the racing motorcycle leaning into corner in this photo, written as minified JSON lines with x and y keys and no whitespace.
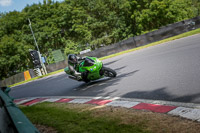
{"x":87,"y":69}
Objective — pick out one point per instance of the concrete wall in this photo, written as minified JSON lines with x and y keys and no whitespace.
{"x":20,"y":76}
{"x":160,"y":34}
{"x":56,"y":66}
{"x":15,"y":78}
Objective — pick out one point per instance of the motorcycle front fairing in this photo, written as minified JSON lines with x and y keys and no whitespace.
{"x":93,"y":66}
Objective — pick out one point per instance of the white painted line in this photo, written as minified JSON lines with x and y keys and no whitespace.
{"x":98,"y":98}
{"x":189,"y":113}
{"x":126,"y":104}
{"x":102,"y":84}
{"x":51,"y":100}
{"x":107,"y":98}
{"x":80,"y":101}
{"x":115,"y":98}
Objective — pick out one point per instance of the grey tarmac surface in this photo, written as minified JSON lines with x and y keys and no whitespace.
{"x":169,"y":72}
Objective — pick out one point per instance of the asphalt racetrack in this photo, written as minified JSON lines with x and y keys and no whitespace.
{"x":170,"y":72}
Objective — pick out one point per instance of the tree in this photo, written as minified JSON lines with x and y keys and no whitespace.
{"x":75,"y":25}
{"x":14,"y":57}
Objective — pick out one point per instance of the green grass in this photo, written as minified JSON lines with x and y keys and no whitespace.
{"x":197,"y":31}
{"x":65,"y":120}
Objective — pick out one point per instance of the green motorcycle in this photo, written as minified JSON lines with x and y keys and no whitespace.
{"x":95,"y":69}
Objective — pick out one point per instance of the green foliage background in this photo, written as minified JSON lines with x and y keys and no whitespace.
{"x":74,"y":25}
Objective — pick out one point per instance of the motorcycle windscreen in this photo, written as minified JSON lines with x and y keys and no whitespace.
{"x":88,"y":62}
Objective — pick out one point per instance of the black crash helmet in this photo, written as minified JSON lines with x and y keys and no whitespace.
{"x":72,"y":59}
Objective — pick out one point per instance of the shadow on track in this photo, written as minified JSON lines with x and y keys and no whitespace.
{"x":105,"y":82}
{"x":111,"y":62}
{"x":162,"y":94}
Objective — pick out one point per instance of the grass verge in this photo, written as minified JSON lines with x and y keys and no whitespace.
{"x":197,"y":31}
{"x":64,"y":119}
{"x":85,"y":118}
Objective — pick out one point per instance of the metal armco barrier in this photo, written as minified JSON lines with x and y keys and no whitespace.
{"x":12,"y":120}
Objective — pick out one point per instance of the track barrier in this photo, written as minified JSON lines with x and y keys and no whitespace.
{"x":27,"y":75}
{"x":12,"y":119}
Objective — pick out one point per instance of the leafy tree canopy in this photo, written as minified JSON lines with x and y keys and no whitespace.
{"x":75,"y":25}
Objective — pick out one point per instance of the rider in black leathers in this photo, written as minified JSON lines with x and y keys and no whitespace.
{"x":73,"y":62}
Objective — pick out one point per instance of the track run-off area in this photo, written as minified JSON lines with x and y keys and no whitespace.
{"x":167,"y":72}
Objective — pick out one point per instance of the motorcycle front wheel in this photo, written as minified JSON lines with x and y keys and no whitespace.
{"x":109,"y":72}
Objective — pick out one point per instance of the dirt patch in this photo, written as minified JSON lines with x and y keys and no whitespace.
{"x":45,"y":129}
{"x":153,"y":122}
